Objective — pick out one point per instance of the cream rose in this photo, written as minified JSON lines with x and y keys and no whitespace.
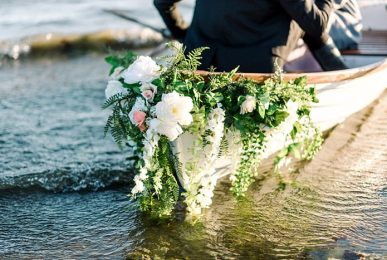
{"x":175,"y":108}
{"x":248,"y":105}
{"x":143,"y":70}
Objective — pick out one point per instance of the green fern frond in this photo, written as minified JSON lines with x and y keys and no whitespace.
{"x":113,"y":100}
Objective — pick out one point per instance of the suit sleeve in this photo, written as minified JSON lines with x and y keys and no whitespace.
{"x":311,"y":16}
{"x":172,"y":17}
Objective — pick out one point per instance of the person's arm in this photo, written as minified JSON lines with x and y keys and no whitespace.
{"x":172,"y":18}
{"x":311,"y":16}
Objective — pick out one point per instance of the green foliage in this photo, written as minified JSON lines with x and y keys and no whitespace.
{"x":120,"y":61}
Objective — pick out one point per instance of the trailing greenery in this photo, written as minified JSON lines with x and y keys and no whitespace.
{"x":162,"y":202}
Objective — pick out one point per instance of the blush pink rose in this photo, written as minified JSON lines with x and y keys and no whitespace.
{"x":142,"y":127}
{"x":139,"y":118}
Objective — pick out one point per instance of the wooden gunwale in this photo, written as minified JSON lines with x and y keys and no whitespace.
{"x":315,"y":77}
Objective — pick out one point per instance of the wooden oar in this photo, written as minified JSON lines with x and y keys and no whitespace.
{"x":120,"y":13}
{"x":164,"y":32}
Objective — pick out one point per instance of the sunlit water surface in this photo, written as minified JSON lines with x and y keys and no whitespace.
{"x":64,"y":187}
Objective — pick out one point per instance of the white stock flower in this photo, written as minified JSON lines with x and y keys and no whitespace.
{"x":175,"y":108}
{"x":117,"y":73}
{"x":139,"y":185}
{"x":143,"y":174}
{"x":143,"y":70}
{"x":114,"y":87}
{"x":248,"y":105}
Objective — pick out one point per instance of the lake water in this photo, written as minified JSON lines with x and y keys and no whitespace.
{"x":20,"y":18}
{"x":63,"y":187}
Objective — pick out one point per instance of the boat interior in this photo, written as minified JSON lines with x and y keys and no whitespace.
{"x":370,"y":55}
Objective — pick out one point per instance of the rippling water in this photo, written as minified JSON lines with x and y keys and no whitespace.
{"x":44,"y":27}
{"x":63,"y":187}
{"x":51,"y":126}
{"x":51,"y":139}
{"x":20,"y":18}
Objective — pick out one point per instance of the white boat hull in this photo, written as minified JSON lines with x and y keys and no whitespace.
{"x":337,"y":101}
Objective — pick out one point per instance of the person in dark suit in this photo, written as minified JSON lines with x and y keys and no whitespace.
{"x":253,"y":34}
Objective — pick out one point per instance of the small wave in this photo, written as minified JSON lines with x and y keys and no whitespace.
{"x":67,"y":179}
{"x":100,"y":41}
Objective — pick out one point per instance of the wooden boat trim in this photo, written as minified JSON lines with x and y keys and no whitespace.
{"x":315,"y":77}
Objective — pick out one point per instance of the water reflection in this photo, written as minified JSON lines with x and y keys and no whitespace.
{"x":336,"y":207}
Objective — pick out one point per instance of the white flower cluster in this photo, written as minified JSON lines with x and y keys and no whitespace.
{"x":150,"y":143}
{"x":202,"y":181}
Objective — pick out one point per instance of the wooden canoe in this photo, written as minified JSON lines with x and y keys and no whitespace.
{"x":340,"y":94}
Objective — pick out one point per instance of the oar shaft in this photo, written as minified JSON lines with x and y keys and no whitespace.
{"x":118,"y":13}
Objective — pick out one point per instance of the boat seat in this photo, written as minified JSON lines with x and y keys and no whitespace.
{"x":373,"y":43}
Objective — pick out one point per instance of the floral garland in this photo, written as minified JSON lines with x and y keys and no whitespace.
{"x":155,"y":108}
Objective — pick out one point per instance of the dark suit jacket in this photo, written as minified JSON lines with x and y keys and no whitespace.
{"x":247,"y":33}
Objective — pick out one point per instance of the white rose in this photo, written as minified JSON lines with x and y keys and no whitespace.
{"x":148,"y":91}
{"x":248,"y":105}
{"x":170,"y":129}
{"x":117,"y":73}
{"x":175,"y":108}
{"x":143,"y":70}
{"x":114,"y":87}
